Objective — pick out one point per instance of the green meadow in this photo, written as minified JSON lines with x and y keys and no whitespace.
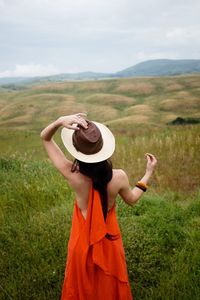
{"x":161,"y":233}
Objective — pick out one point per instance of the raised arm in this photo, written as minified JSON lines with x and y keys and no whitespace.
{"x":131,"y":196}
{"x":54,"y":152}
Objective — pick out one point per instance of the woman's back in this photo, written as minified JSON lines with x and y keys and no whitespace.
{"x":81,"y":185}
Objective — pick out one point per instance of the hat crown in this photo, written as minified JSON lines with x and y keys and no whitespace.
{"x":90,"y":134}
{"x":88,"y":140}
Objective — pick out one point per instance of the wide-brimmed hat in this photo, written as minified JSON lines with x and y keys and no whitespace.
{"x":92,"y":144}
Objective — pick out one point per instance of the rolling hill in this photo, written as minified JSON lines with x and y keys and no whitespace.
{"x":123,"y":104}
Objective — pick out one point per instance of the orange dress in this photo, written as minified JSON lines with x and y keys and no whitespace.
{"x":95,"y":266}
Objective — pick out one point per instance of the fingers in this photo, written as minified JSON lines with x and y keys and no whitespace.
{"x":151,"y":158}
{"x":82,"y":122}
{"x":149,"y":154}
{"x":79,"y":118}
{"x":148,"y":158}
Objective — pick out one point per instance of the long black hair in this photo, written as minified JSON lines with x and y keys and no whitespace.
{"x":100,"y":173}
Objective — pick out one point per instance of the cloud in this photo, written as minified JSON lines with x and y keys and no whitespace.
{"x":183,"y":33}
{"x":143,"y":55}
{"x":30,"y":70}
{"x":95,"y":35}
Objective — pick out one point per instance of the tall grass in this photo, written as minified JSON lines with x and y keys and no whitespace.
{"x":35,"y":223}
{"x":177,"y":151}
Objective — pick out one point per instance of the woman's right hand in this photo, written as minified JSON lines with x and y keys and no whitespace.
{"x":151,"y":162}
{"x":69,"y":121}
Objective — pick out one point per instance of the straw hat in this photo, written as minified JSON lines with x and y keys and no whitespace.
{"x":92,"y":144}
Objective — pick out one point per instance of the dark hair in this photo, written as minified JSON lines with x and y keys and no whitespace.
{"x":100,"y":173}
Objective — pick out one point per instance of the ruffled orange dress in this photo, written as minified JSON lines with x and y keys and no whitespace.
{"x":95,"y":267}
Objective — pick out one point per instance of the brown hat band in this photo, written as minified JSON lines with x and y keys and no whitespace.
{"x":88,"y":140}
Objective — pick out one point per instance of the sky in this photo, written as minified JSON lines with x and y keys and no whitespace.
{"x":44,"y":37}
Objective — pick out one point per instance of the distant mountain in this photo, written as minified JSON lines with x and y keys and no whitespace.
{"x":162,"y":67}
{"x":9,"y":81}
{"x":15,"y":80}
{"x":78,"y":76}
{"x":157,"y":67}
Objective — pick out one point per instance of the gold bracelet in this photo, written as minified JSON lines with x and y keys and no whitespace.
{"x":141,"y":185}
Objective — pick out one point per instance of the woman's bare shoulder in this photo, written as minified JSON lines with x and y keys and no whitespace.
{"x":119,"y":173}
{"x":119,"y":177}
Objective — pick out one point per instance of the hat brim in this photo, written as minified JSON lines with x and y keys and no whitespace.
{"x":106,"y":151}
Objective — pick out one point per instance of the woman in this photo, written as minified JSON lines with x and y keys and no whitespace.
{"x":96,"y":266}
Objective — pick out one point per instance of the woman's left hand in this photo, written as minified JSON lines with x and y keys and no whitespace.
{"x":151,"y":162}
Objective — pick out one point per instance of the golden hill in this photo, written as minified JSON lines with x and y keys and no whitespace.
{"x":120,"y":103}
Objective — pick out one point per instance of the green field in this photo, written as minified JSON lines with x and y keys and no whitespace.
{"x":161,"y":233}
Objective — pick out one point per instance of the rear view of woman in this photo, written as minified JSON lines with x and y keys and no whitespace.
{"x":96,"y":265}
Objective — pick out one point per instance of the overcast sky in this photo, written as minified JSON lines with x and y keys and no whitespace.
{"x":41,"y":37}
